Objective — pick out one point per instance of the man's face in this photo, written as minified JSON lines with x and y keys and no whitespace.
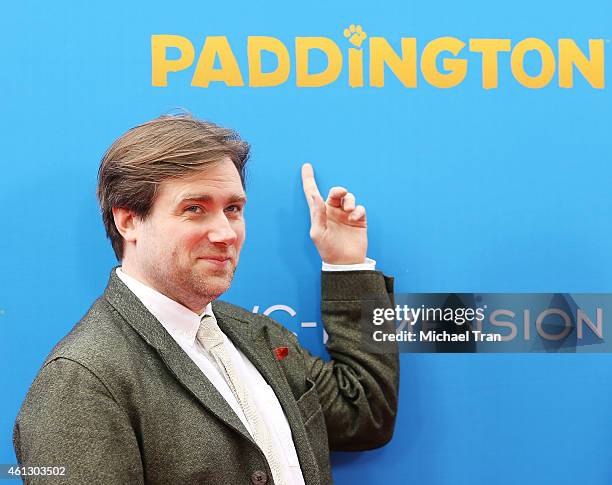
{"x":189,"y":245}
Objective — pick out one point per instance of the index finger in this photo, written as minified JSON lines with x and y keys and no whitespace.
{"x":308,"y":182}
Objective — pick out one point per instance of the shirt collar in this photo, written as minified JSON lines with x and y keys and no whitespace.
{"x":180,"y":322}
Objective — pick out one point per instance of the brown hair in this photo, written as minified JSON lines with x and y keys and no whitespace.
{"x":168,"y":147}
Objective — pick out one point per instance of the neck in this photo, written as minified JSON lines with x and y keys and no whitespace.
{"x":197,"y":306}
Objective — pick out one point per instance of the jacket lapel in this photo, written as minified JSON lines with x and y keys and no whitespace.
{"x":252,"y":339}
{"x":177,"y":361}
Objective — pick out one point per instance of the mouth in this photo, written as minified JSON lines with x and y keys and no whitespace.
{"x":217,"y":260}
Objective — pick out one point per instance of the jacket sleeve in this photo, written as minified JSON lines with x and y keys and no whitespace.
{"x":358,"y":390}
{"x":70,"y":419}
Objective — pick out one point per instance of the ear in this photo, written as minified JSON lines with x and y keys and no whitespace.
{"x":127,"y":223}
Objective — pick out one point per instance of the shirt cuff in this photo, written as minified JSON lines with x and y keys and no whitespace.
{"x":367,"y":265}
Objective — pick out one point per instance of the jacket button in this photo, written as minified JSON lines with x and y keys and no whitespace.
{"x":259,"y":477}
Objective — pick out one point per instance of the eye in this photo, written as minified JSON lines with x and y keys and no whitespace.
{"x":236,"y":209}
{"x":195,"y":209}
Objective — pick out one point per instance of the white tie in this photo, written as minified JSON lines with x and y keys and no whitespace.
{"x":210,"y":336}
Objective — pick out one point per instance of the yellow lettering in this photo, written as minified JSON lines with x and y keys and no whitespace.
{"x":548,"y":63}
{"x":229,"y":72}
{"x":257,"y":78}
{"x":592,"y":69}
{"x":355,"y":68}
{"x":489,"y":49}
{"x":457,"y":67}
{"x":404,"y":67}
{"x":303,"y":45}
{"x":160,"y":66}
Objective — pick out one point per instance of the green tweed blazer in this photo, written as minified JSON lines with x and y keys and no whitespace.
{"x":117,"y":401}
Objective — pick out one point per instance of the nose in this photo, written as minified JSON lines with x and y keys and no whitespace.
{"x":221,"y":231}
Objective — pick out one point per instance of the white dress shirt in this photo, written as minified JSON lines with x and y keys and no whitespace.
{"x":182,"y":324}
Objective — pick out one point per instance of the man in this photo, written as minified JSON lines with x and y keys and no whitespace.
{"x":162,"y":383}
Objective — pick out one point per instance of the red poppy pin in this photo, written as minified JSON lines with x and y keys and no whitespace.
{"x":281,"y":352}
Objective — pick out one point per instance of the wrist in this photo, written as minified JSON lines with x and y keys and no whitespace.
{"x":367,"y":264}
{"x":344,"y":261}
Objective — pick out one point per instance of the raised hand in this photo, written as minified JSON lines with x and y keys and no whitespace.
{"x":338,"y":227}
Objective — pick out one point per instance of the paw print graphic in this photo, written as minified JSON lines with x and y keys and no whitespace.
{"x":355,"y":35}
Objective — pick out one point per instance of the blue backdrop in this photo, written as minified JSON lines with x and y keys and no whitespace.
{"x":467,"y":190}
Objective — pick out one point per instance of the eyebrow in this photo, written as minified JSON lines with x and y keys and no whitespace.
{"x":207,"y":198}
